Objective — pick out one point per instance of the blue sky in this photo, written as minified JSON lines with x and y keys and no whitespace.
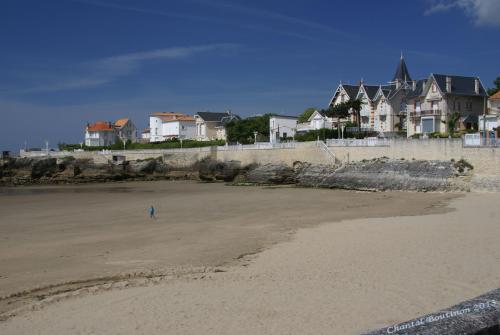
{"x":64,"y":63}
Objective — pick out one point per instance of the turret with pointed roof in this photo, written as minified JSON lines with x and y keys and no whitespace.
{"x":402,"y":75}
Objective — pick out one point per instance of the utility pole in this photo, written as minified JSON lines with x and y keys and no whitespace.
{"x":484,"y":119}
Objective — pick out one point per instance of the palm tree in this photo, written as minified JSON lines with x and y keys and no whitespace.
{"x":452,"y":122}
{"x":356,"y":107}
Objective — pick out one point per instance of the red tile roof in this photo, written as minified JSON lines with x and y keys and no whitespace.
{"x":495,"y":96}
{"x":121,"y":122}
{"x":100,"y":126}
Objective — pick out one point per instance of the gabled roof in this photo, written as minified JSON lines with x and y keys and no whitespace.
{"x":121,"y":122}
{"x":100,"y":126}
{"x":371,"y":91}
{"x":212,"y":117}
{"x":495,"y":96}
{"x":459,"y":85}
{"x":316,"y":112}
{"x":402,"y":74}
{"x":418,"y":90}
{"x":351,"y":90}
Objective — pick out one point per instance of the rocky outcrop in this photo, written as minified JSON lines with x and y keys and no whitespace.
{"x":24,"y":171}
{"x":211,"y":170}
{"x":378,"y":174}
{"x":384,"y":174}
{"x":273,"y":173}
{"x":374,"y":175}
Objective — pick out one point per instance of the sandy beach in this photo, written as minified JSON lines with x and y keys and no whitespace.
{"x":275,"y":260}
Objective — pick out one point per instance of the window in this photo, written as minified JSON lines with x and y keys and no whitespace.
{"x":434,"y":88}
{"x":468,"y":105}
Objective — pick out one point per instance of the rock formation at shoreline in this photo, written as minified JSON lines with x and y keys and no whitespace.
{"x":28,"y":171}
{"x":376,"y":174}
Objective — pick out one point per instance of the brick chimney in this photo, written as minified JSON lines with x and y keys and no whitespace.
{"x":476,"y":85}
{"x":448,"y":84}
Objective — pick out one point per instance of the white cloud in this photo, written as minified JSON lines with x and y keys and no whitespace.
{"x":103,"y":71}
{"x":484,"y":12}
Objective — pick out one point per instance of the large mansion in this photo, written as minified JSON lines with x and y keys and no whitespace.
{"x":416,"y":106}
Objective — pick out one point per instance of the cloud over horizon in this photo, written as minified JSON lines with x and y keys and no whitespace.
{"x":103,"y":71}
{"x":483,"y":12}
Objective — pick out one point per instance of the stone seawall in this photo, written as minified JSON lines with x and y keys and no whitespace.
{"x":486,"y":161}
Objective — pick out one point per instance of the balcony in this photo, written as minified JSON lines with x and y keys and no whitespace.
{"x":427,"y":112}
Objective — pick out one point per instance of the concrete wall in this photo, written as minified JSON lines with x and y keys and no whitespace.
{"x":486,"y":161}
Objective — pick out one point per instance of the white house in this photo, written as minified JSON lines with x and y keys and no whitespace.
{"x":165,"y":126}
{"x":317,"y":121}
{"x":282,"y":127}
{"x":100,"y":134}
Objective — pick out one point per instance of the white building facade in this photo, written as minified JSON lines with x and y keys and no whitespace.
{"x":282,"y":127}
{"x":167,"y":126}
{"x":100,"y":134}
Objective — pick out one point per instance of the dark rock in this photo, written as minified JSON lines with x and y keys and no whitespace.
{"x":142,"y":167}
{"x":211,"y":170}
{"x":272,"y":173}
{"x":44,"y":168}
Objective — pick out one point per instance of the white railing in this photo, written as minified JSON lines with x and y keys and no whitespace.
{"x":367,"y":142}
{"x":153,"y":151}
{"x":326,"y":150}
{"x":258,"y":146}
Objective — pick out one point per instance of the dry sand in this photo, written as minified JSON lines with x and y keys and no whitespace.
{"x":341,"y":277}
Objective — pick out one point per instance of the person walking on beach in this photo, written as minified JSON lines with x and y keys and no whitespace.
{"x":152,"y":213}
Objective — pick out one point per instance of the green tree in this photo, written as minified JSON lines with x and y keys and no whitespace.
{"x":306,"y":115}
{"x":451,"y":123}
{"x":495,"y":89}
{"x":242,"y":131}
{"x":341,"y":110}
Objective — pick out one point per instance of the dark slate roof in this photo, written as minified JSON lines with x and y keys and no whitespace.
{"x":418,"y":90}
{"x":459,"y":85}
{"x":351,"y":90}
{"x":212,"y":117}
{"x":371,"y":90}
{"x":402,"y":73}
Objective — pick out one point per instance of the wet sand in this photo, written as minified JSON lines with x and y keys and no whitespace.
{"x":340,"y":274}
